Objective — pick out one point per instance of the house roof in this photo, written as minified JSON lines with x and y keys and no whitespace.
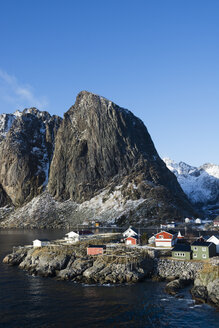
{"x":97,"y":246}
{"x":201,"y":243}
{"x":168,"y":231}
{"x":131,"y":228}
{"x":182,"y":248}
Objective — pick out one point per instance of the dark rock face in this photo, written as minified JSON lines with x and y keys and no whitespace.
{"x":100,"y":144}
{"x":26,"y":149}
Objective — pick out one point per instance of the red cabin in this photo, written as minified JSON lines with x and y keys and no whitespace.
{"x":131,"y":241}
{"x":95,"y":249}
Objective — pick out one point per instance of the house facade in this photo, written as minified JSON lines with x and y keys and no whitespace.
{"x":131,"y":241}
{"x":165,"y":239}
{"x":202,"y":250}
{"x":40,"y":242}
{"x":182,"y":252}
{"x":96,"y":249}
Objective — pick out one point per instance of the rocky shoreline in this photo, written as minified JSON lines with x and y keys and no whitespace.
{"x":118,"y":265}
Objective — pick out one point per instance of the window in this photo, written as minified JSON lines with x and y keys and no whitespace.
{"x":176,"y":254}
{"x":161,"y":237}
{"x":183,"y":254}
{"x":194,"y":255}
{"x":195,"y":248}
{"x":204,"y":249}
{"x":204,"y":256}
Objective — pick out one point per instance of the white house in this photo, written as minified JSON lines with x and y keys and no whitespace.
{"x":130,"y":232}
{"x":198,"y":221}
{"x":40,"y":242}
{"x":215,"y":240}
{"x":187,"y":220}
{"x":151,"y":240}
{"x":72,"y":236}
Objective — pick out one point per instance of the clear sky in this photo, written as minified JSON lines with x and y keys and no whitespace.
{"x":158,"y":58}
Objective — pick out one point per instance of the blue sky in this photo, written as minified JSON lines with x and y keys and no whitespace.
{"x":158,"y":58}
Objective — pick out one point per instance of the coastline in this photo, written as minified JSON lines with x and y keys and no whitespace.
{"x":126,"y":265}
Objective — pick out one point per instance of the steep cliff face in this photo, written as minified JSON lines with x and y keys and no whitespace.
{"x":26,"y":149}
{"x":101,"y":145}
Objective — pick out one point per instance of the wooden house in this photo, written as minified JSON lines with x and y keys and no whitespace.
{"x":40,"y":242}
{"x":182,"y":251}
{"x":131,"y":241}
{"x":96,"y":249}
{"x":165,"y":239}
{"x":202,"y":250}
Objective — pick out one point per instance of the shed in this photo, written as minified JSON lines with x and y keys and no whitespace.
{"x":40,"y":242}
{"x":131,"y":241}
{"x":202,"y":250}
{"x":95,"y":249}
{"x":182,"y":251}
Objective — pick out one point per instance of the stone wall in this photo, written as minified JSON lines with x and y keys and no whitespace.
{"x":168,"y":268}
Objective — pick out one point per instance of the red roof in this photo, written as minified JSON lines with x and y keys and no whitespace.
{"x":165,"y":234}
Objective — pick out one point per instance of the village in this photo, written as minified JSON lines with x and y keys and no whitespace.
{"x":169,"y":240}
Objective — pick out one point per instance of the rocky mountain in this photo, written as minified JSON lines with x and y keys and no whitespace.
{"x":26,"y":150}
{"x":104,"y":167}
{"x":200,"y":184}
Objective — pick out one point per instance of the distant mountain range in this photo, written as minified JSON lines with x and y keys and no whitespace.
{"x":200,"y":184}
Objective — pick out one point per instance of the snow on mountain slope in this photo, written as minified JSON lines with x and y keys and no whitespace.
{"x":201,"y":184}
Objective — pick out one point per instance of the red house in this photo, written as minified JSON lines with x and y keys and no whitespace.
{"x":95,"y":249}
{"x":131,"y":241}
{"x":166,"y":239}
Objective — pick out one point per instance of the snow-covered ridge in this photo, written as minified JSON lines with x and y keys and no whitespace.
{"x":201,"y":184}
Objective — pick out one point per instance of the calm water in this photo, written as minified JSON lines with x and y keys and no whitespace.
{"x":27,"y":301}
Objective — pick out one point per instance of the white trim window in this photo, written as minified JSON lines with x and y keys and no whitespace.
{"x":204,"y":256}
{"x":160,"y":236}
{"x":195,"y":248}
{"x":194,"y":254}
{"x":203,"y":249}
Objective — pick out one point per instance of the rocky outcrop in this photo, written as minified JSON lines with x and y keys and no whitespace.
{"x":72,"y":263}
{"x":173,"y":287}
{"x":206,"y":285}
{"x":26,"y":148}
